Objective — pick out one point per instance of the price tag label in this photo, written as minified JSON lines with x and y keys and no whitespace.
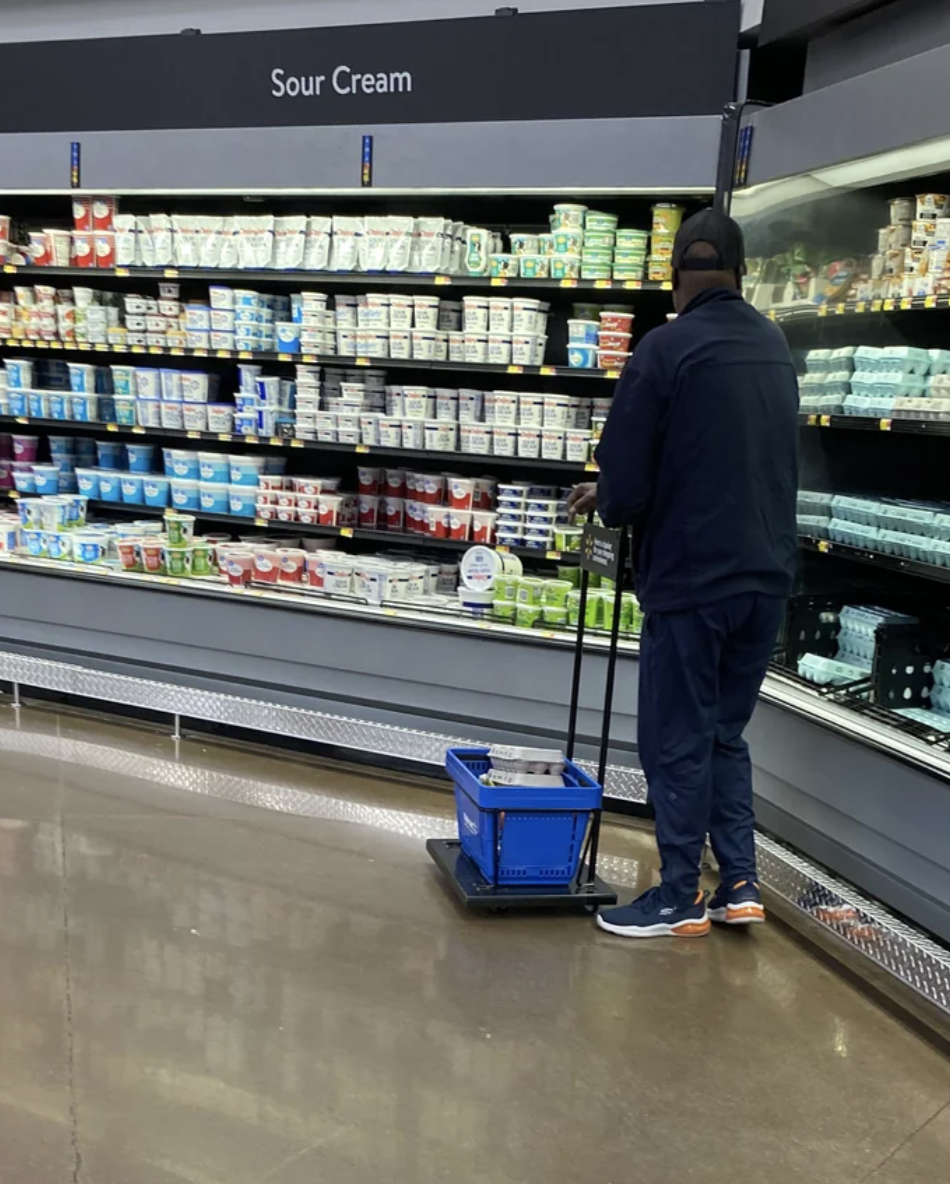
{"x":122,"y":271}
{"x":603,"y":285}
{"x":225,"y":437}
{"x":275,"y":441}
{"x":442,"y":281}
{"x":362,"y":448}
{"x":42,"y":345}
{"x":22,"y":419}
{"x":12,"y":342}
{"x":296,"y":443}
{"x":251,"y":440}
{"x":503,"y":549}
{"x":822,"y":310}
{"x":170,"y":273}
{"x":362,"y":361}
{"x":9,"y":269}
{"x":56,"y":345}
{"x":136,"y":349}
{"x":15,"y":495}
{"x":611,"y":374}
{"x":86,"y":347}
{"x":309,"y":359}
{"x":516,"y":369}
{"x":592,"y":467}
{"x":568,"y":283}
{"x":906,"y":304}
{"x":138,"y":431}
{"x":177,"y":353}
{"x":498,"y":281}
{"x":813,"y":421}
{"x":632,"y":285}
{"x":771,"y":314}
{"x":245,"y":353}
{"x":155,"y":349}
{"x":200,"y":353}
{"x":547,"y":371}
{"x":824,"y":546}
{"x":112,"y":427}
{"x":553,"y":555}
{"x":930,"y":302}
{"x":877,"y":305}
{"x":888,"y":305}
{"x":193,"y":435}
{"x":260,"y":521}
{"x":666,"y":286}
{"x":825,"y":421}
{"x":285,"y":357}
{"x":222,"y":353}
{"x":346,"y":532}
{"x":885,"y":425}
{"x":841,"y":309}
{"x":861,"y":306}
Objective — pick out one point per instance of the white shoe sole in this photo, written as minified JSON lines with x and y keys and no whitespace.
{"x":694,"y":927}
{"x":743,"y":914}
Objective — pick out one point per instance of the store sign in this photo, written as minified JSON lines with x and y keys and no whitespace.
{"x":600,"y":551}
{"x":595,"y":63}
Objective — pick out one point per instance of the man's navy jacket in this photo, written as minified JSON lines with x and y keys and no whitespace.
{"x":699,"y":456}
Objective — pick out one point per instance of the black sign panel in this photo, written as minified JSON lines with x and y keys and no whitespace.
{"x":800,"y":19}
{"x":646,"y":60}
{"x":600,"y":551}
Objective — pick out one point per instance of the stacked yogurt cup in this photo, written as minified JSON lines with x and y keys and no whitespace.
{"x":499,"y":331}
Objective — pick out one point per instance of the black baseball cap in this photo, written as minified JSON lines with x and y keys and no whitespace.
{"x":718,"y":231}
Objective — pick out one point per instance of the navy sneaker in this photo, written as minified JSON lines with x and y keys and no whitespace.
{"x":651,"y":916}
{"x":739,"y":905}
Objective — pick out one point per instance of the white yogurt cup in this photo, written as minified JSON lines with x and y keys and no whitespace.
{"x":475,"y":314}
{"x":413,"y":433}
{"x":526,"y":316}
{"x":400,"y":312}
{"x":499,"y":349}
{"x":476,"y":347}
{"x":418,"y":402}
{"x":577,"y":445}
{"x":426,"y":312}
{"x":475,"y":438}
{"x":529,"y":443}
{"x":400,"y":343}
{"x":552,"y":444}
{"x":456,"y":347}
{"x":499,"y":315}
{"x":557,"y":411}
{"x":447,"y":405}
{"x":504,"y":441}
{"x":470,"y":406}
{"x":530,"y":410}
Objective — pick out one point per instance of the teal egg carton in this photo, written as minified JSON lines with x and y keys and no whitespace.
{"x":850,"y":509}
{"x":857,"y":405}
{"x":867,"y":359}
{"x":906,"y":358}
{"x":855,"y":534}
{"x":829,"y":671}
{"x":941,"y":674}
{"x":814,"y":501}
{"x":817,"y":360}
{"x":814,"y":525}
{"x":907,"y":518}
{"x":936,"y":720}
{"x":939,"y":361}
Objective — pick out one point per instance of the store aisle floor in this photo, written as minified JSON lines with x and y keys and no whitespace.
{"x":195,"y":989}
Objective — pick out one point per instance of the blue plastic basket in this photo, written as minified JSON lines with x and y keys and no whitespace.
{"x":521,"y":834}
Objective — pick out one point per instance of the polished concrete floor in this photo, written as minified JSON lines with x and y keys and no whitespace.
{"x":196,"y":989}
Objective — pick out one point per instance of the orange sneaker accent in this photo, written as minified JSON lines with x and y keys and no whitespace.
{"x":743,"y":912}
{"x":741,"y":884}
{"x":693,"y":929}
{"x":699,"y":897}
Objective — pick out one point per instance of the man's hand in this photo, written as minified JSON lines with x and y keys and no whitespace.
{"x":583,"y":499}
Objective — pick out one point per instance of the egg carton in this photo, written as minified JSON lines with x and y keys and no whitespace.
{"x":937,"y":720}
{"x":906,"y":358}
{"x":522,"y":780}
{"x":842,"y":360}
{"x":856,"y":405}
{"x":854,"y":534}
{"x":829,"y":671}
{"x":515,"y":759}
{"x":941,"y":673}
{"x":909,"y":519}
{"x":940,"y":697}
{"x":862,"y":510}
{"x":867,"y":359}
{"x":866,"y":618}
{"x":813,"y":525}
{"x":939,"y":362}
{"x":856,"y":649}
{"x":817,"y":360}
{"x":814,"y":501}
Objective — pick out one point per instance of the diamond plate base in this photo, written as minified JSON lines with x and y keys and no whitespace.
{"x":906,"y":953}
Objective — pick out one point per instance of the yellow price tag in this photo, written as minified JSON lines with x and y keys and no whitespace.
{"x":42,"y":345}
{"x":552,"y":555}
{"x":12,"y":342}
{"x":245,"y":353}
{"x":9,"y":269}
{"x":498,"y":281}
{"x":567,"y":284}
{"x":861,"y":306}
{"x":516,"y":370}
{"x":602,"y":285}
{"x":225,"y":436}
{"x":930,"y":302}
{"x":877,"y":305}
{"x":666,"y":286}
{"x":309,"y":359}
{"x":611,"y":374}
{"x":86,"y":347}
{"x":177,"y":353}
{"x":275,"y":442}
{"x":592,"y":467}
{"x":170,"y":273}
{"x":56,"y":345}
{"x":825,"y":421}
{"x":200,"y":353}
{"x":632,"y":285}
{"x":824,"y":546}
{"x":841,"y":309}
{"x":888,"y":305}
{"x":503,"y":549}
{"x":15,"y":495}
{"x":155,"y":349}
{"x":222,"y":353}
{"x":362,"y":361}
{"x":442,"y":280}
{"x":906,"y":304}
{"x":296,"y":443}
{"x":138,"y":431}
{"x":251,"y":440}
{"x":135,"y":349}
{"x":771,"y":314}
{"x":346,"y":532}
{"x":285,"y":358}
{"x":260,"y":521}
{"x":122,"y":271}
{"x":362,"y":448}
{"x":193,"y":435}
{"x":548,"y":370}
{"x":822,"y":310}
{"x":112,"y":427}
{"x":885,"y":425}
{"x":813,"y":421}
{"x":22,"y":419}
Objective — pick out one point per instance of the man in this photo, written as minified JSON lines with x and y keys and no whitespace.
{"x":699,"y":459}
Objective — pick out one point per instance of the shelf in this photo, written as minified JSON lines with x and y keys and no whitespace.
{"x":380,"y":537}
{"x":862,"y":423}
{"x":307,"y":359}
{"x":850,"y":308}
{"x":347,"y":278}
{"x":483,"y":460}
{"x":912,"y":567}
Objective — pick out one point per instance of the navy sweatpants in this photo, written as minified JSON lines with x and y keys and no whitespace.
{"x":700,"y":674}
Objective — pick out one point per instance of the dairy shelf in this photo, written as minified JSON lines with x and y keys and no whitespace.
{"x":913,"y":567}
{"x":347,"y":278}
{"x":483,"y":460}
{"x":863,"y":423}
{"x":401,"y":538}
{"x":306,"y":359}
{"x":850,"y":308}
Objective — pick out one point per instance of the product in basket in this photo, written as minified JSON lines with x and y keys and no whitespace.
{"x":532,"y":767}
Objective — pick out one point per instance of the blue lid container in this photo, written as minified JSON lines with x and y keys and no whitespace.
{"x":141,"y":457}
{"x":110,"y":486}
{"x":156,"y":490}
{"x":111,"y":455}
{"x":132,"y":488}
